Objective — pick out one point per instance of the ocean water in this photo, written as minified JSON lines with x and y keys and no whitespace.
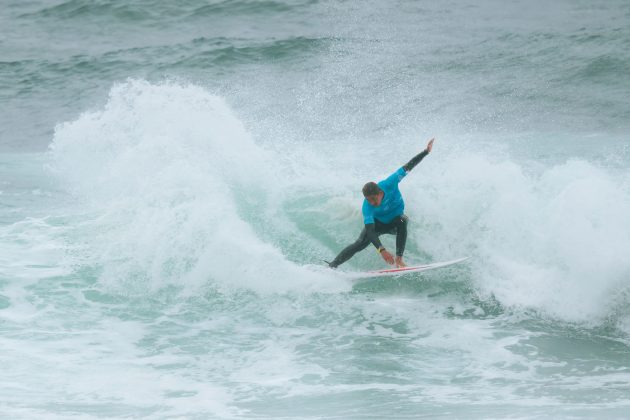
{"x":172,"y":174}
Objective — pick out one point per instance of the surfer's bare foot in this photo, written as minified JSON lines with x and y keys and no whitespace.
{"x":400,"y":263}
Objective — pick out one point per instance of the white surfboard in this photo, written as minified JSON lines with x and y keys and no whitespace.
{"x":405,"y":270}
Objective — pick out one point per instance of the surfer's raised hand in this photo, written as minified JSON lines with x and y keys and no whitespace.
{"x":389,"y":259}
{"x":430,"y":145}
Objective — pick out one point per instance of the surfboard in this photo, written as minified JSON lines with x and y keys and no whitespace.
{"x":405,"y":270}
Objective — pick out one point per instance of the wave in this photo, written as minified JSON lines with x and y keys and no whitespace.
{"x":172,"y":174}
{"x":147,"y":11}
{"x":199,"y":53}
{"x":185,"y":196}
{"x":81,"y":9}
{"x":218,"y":52}
{"x":242,"y":7}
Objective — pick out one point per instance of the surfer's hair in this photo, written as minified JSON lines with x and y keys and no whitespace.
{"x":371,"y":188}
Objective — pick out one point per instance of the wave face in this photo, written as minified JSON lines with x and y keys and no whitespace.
{"x":173,"y":174}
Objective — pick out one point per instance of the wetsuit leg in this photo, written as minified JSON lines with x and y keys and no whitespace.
{"x":401,"y":234}
{"x":359,"y":245}
{"x":397,"y":227}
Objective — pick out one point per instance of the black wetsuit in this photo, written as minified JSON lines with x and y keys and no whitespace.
{"x":371,"y":231}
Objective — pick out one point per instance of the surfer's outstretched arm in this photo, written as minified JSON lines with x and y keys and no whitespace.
{"x":417,"y":158}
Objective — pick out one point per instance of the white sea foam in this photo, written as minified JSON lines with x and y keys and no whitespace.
{"x":179,"y":186}
{"x":554,"y":239}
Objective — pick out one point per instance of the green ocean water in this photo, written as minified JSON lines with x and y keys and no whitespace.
{"x":172,"y":174}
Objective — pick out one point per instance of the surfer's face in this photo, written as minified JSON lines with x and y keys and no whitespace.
{"x":375,"y":200}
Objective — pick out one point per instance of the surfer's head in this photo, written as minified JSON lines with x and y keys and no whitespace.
{"x":373,"y":193}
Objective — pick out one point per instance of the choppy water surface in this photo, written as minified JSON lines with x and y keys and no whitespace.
{"x":172,"y":175}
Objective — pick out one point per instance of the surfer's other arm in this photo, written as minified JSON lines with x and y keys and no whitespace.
{"x":416,"y":159}
{"x":370,"y":230}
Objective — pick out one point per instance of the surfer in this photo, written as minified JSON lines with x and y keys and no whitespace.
{"x":383,"y":212}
